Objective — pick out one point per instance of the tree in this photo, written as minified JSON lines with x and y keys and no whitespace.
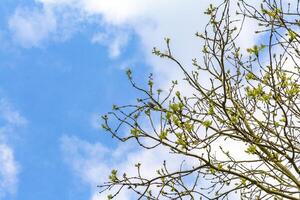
{"x":251,"y":98}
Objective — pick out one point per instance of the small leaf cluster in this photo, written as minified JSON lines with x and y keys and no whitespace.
{"x":113,"y":176}
{"x":256,"y":49}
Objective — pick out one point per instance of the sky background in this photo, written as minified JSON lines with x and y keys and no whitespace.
{"x":62,"y":65}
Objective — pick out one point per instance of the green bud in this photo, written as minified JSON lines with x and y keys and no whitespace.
{"x":135,"y":132}
{"x":251,"y":149}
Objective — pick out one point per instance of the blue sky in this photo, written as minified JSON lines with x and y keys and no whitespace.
{"x":62,"y":65}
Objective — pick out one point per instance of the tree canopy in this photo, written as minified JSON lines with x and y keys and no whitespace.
{"x":250,"y":100}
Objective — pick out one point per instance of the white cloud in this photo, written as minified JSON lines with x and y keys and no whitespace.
{"x":86,"y":159}
{"x":8,"y":171}
{"x":10,"y":115}
{"x":9,"y":168}
{"x":114,"y":12}
{"x":88,"y":162}
{"x":150,"y":21}
{"x":31,"y":26}
{"x":113,"y":40}
{"x":94,"y":162}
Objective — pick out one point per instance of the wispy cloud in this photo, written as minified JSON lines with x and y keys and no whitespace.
{"x":87,"y":161}
{"x":115,"y":21}
{"x":93,"y":162}
{"x":8,"y":171}
{"x":11,"y":119}
{"x":113,"y":40}
{"x":31,"y":26}
{"x":10,"y":115}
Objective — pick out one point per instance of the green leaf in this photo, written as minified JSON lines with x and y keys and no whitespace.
{"x":220,"y":166}
{"x":163,"y":135}
{"x":135,"y":132}
{"x":243,"y":181}
{"x":292,"y":35}
{"x":212,"y":171}
{"x":210,"y":10}
{"x":176,"y":107}
{"x":113,"y":176}
{"x":250,"y":76}
{"x":251,"y":149}
{"x":189,"y":127}
{"x":256,"y":49}
{"x":207,"y":123}
{"x":150,"y":83}
{"x":211,"y":110}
